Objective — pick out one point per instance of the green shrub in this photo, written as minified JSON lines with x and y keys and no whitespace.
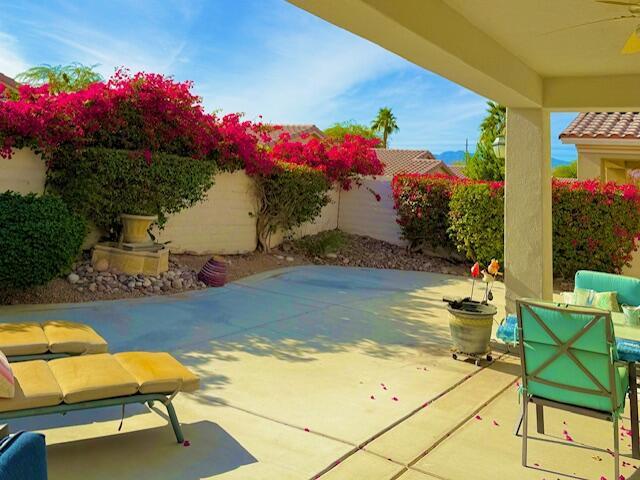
{"x":422,"y":203}
{"x":595,"y":226}
{"x":39,"y":239}
{"x":102,"y":183}
{"x":287,"y":197}
{"x":476,"y":220}
{"x":329,"y":241}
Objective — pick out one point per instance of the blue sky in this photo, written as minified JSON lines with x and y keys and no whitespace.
{"x":255,"y":56}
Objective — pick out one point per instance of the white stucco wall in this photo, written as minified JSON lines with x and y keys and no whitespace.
{"x":361,"y":214}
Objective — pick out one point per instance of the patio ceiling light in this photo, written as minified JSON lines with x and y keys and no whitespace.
{"x":499,"y":146}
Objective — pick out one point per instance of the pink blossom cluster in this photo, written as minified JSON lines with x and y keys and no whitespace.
{"x":341,"y":161}
{"x":148,"y":113}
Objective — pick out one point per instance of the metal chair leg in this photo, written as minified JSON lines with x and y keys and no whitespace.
{"x":539,"y":419}
{"x":174,"y":422}
{"x":616,"y":447}
{"x":525,"y":418}
{"x":516,"y":427}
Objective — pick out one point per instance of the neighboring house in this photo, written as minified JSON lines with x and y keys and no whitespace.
{"x":297,"y":132}
{"x":411,"y":161}
{"x":8,"y":82}
{"x":608,"y":144}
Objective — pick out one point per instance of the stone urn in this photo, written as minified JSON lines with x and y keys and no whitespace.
{"x":135,"y":227}
{"x":470,"y":323}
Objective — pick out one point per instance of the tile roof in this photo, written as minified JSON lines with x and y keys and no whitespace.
{"x":8,"y":81}
{"x":296,"y":131}
{"x":604,"y":125}
{"x":409,"y":161}
{"x":457,"y":170}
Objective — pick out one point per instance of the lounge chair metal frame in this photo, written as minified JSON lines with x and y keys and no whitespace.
{"x":63,"y":408}
{"x":564,"y":349}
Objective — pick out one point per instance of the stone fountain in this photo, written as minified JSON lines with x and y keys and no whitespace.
{"x":135,"y":252}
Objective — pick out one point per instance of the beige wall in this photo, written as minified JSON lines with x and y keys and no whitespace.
{"x":362,"y":215}
{"x":219,"y":224}
{"x":23,"y":173}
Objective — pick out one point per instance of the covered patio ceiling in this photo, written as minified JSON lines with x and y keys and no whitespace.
{"x":522,"y":53}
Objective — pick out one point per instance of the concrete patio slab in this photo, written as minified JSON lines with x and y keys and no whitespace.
{"x":288,"y":365}
{"x":419,"y":433}
{"x":365,"y":465}
{"x":492,"y":451}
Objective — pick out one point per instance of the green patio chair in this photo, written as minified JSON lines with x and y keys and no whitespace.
{"x":569,"y":362}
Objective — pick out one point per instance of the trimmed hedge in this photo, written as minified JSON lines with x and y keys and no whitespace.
{"x":39,"y":239}
{"x":102,"y":183}
{"x":422,"y":203}
{"x":476,"y":216}
{"x":595,"y":225}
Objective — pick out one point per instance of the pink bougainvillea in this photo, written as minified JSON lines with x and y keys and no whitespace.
{"x":149,"y":113}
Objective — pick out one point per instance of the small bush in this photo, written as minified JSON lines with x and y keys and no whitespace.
{"x":595,"y":226}
{"x":102,"y":183}
{"x":422,"y":203}
{"x":39,"y":239}
{"x":476,"y":220}
{"x":329,"y":241}
{"x":287,"y":197}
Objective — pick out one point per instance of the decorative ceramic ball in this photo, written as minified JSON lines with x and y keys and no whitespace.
{"x":214,"y":272}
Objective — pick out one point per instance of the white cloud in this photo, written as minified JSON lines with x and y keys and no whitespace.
{"x":298,"y":76}
{"x":11,"y":60}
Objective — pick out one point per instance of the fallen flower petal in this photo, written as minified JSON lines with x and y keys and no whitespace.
{"x":478,"y":417}
{"x":186,"y":443}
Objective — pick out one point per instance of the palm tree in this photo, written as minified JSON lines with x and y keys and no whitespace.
{"x":385,"y":123}
{"x":494,"y":123}
{"x":61,"y":78}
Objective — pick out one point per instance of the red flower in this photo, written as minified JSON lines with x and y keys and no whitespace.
{"x":475,"y":270}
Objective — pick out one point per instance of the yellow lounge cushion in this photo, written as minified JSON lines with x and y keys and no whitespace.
{"x":92,"y":377}
{"x":158,"y":372}
{"x":35,"y":386}
{"x":22,"y":339}
{"x":72,"y":337}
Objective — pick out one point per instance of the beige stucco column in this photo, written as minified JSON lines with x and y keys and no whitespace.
{"x":527,"y":219}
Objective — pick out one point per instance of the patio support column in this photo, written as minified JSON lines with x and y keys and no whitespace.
{"x":527,"y":216}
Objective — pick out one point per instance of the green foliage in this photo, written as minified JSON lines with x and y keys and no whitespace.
{"x":566,"y":171}
{"x":329,"y":241}
{"x":483,"y":164}
{"x":102,"y":183}
{"x":39,"y":239}
{"x":476,"y":220}
{"x":422,"y":203}
{"x":61,"y":78}
{"x":385,"y":123}
{"x":287,"y":197}
{"x":595,"y":226}
{"x":340,"y":129}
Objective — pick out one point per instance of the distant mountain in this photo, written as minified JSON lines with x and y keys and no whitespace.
{"x":556,"y":162}
{"x":454,"y":156}
{"x":451,"y":156}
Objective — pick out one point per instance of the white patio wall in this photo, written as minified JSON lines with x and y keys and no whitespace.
{"x":362,"y":215}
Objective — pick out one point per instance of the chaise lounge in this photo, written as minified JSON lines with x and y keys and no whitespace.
{"x":49,"y":340}
{"x":94,"y":381}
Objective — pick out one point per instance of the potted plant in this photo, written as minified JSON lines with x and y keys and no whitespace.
{"x":471,"y":321}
